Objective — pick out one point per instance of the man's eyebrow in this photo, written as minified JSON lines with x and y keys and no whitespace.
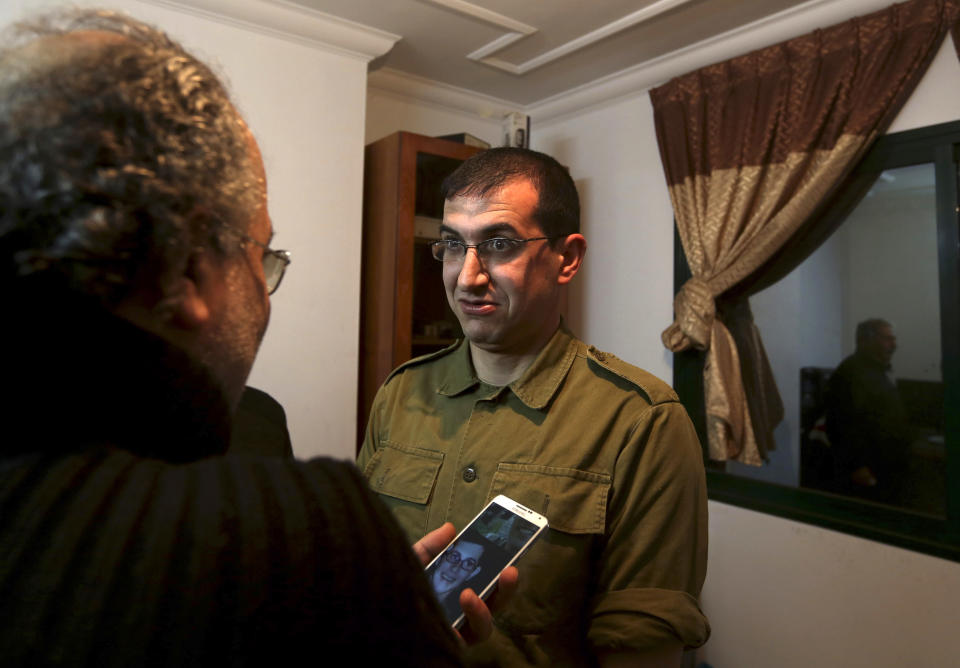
{"x":487,"y":232}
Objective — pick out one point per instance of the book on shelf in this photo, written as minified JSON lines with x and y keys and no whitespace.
{"x":466,"y":138}
{"x":426,"y":227}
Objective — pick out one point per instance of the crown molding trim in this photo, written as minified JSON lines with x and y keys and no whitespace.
{"x":634,"y":18}
{"x":422,"y":90}
{"x":517,"y":30}
{"x":486,"y":15}
{"x":638,"y":79}
{"x":295,"y":23}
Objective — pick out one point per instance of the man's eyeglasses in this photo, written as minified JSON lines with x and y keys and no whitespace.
{"x":453,"y":557}
{"x":274,"y":262}
{"x":490,"y":251}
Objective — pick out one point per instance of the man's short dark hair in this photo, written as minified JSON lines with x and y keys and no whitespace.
{"x":120,"y":155}
{"x":558,"y":206}
{"x":870,"y":329}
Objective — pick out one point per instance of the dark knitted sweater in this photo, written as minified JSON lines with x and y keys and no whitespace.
{"x":125,"y":540}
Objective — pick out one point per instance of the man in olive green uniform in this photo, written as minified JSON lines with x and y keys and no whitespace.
{"x":523,"y":408}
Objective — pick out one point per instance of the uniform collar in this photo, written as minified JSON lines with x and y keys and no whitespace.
{"x":538,"y":384}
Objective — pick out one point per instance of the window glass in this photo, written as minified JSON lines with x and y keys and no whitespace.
{"x":873,"y":429}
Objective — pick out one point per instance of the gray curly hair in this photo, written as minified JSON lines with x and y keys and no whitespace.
{"x":119,"y":156}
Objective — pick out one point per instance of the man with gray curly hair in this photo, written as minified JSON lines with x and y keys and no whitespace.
{"x":136,"y":267}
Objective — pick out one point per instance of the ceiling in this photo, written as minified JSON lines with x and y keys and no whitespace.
{"x":525,"y":51}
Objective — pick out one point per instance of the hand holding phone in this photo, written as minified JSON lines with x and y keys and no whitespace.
{"x":493,"y":540}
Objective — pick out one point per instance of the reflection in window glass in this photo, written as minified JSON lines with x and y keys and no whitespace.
{"x":886,"y":403}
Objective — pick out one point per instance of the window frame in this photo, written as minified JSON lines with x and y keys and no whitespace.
{"x":938,"y":536}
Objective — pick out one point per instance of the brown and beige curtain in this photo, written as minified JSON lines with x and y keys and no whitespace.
{"x":752,"y":148}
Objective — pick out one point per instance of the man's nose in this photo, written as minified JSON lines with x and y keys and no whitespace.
{"x":472,"y":272}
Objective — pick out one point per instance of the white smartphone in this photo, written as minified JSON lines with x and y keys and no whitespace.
{"x":493,"y":540}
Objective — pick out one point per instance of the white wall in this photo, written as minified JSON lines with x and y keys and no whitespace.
{"x":622,"y":299}
{"x":790,"y":595}
{"x":778,"y":593}
{"x":306,"y":108}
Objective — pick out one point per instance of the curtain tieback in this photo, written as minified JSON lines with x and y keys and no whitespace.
{"x":694,"y":312}
{"x":729,"y":430}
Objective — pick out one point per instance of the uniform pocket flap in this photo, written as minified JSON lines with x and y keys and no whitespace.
{"x":404,"y":472}
{"x":572,"y":500}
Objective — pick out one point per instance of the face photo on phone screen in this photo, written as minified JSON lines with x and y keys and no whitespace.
{"x":461,"y":564}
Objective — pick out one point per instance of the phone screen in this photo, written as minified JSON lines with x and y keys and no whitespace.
{"x":476,"y":557}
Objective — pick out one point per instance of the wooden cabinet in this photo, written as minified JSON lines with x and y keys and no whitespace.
{"x":403,"y":309}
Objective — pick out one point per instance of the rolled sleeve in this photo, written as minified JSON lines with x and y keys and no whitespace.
{"x":654,"y":561}
{"x":642,"y":619}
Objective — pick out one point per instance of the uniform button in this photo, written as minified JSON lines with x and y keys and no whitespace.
{"x":469,"y":474}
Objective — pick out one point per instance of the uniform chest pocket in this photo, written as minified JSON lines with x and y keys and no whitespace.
{"x":572,"y":500}
{"x":404,"y":476}
{"x":557,"y":572}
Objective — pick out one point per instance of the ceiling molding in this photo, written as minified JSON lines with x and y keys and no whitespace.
{"x":421,"y":90}
{"x":516,"y":30}
{"x":279,"y":18}
{"x":494,"y":46}
{"x":485,"y":15}
{"x":520,"y":30}
{"x":640,"y":78}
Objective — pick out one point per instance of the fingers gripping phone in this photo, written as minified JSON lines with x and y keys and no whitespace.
{"x":493,"y":540}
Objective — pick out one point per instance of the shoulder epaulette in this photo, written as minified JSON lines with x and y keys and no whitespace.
{"x":422,"y":359}
{"x":656,"y":390}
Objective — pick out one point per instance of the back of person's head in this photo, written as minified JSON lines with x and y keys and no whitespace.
{"x":558,"y":206}
{"x":122,"y":153}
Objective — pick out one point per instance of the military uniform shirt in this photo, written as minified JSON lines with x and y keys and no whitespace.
{"x":604,"y":450}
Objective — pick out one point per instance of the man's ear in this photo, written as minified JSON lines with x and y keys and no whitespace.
{"x":574,"y":247}
{"x":186,"y":297}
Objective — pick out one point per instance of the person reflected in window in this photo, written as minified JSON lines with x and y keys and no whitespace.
{"x":866,"y":421}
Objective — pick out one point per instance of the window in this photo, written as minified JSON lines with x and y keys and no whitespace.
{"x":895,"y":257}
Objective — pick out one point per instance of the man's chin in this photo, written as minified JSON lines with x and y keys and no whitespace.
{"x":493,"y":341}
{"x":480,"y":334}
{"x":232,"y":381}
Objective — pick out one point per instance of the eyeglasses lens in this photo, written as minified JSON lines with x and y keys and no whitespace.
{"x":274,"y":266}
{"x":490,"y":251}
{"x":453,"y":557}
